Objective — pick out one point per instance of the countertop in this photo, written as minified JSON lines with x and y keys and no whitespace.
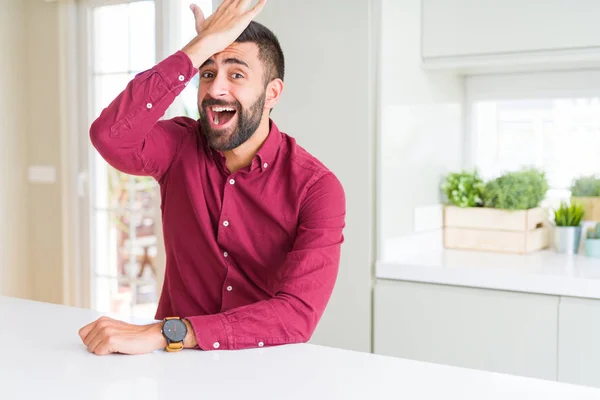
{"x":543,"y":272}
{"x":43,"y":358}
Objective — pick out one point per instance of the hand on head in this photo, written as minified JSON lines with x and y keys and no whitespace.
{"x":221,"y":28}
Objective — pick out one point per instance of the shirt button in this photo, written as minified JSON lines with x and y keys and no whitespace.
{"x":225,"y":254}
{"x":229,"y":288}
{"x":181,"y":78}
{"x":260,"y":344}
{"x":232,"y":181}
{"x":149,"y":106}
{"x":265,"y":165}
{"x":216,"y":345}
{"x":225,"y":223}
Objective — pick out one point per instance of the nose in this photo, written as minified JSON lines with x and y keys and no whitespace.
{"x":219,"y":86}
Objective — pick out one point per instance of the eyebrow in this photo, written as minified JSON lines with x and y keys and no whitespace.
{"x":231,"y":60}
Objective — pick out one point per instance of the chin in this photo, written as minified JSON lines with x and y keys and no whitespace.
{"x":219,"y":141}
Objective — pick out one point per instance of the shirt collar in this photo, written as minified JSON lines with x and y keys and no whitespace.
{"x":269,"y":148}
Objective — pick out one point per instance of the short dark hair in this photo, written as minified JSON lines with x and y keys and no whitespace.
{"x":269,"y":50}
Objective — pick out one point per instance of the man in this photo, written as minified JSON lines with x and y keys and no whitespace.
{"x":252,"y":222}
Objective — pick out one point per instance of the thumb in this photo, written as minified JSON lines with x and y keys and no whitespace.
{"x":198,"y":15}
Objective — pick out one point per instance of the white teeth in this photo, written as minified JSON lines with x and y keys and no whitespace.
{"x":216,"y":119}
{"x":221,"y":109}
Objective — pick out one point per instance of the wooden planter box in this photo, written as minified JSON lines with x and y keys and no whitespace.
{"x":591,"y":206}
{"x":489,"y":229}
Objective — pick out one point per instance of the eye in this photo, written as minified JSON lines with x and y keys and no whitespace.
{"x":206,"y":75}
{"x":237,"y":76}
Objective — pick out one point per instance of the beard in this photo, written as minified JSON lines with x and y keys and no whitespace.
{"x":244,"y":127}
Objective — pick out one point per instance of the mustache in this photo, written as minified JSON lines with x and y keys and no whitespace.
{"x":209,"y":102}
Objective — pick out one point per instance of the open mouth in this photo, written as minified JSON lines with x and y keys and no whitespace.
{"x":220,"y":116}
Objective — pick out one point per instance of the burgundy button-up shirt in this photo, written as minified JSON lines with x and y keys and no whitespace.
{"x":252,"y":257}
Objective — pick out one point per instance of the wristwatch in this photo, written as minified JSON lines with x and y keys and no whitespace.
{"x":174,"y":331}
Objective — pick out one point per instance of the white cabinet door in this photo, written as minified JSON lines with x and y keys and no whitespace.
{"x":506,"y":332}
{"x":579,"y":341}
{"x":459,"y":28}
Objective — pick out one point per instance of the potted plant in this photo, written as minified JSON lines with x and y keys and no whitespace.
{"x":521,"y":190}
{"x":592,"y":242}
{"x":567,"y":219}
{"x":586,"y":191}
{"x":464,"y":189}
{"x":501,"y":215}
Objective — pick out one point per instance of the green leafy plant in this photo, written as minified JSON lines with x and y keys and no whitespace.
{"x":568,"y":215}
{"x":586,"y":186}
{"x":593,"y":232}
{"x":520,"y":190}
{"x":464,"y":189}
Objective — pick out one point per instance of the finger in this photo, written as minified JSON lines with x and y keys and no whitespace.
{"x":98,"y":338}
{"x":93,"y":336}
{"x":83,"y":332}
{"x":103,"y":348}
{"x":97,"y":327}
{"x":198,"y":14}
{"x":257,"y":8}
{"x":243,"y":4}
{"x":224,"y":5}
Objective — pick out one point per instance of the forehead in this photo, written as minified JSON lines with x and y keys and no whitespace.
{"x":247,"y":52}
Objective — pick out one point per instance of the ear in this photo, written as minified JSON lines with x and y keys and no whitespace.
{"x":274,"y":89}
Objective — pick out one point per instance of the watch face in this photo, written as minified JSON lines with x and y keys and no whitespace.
{"x":175,"y":330}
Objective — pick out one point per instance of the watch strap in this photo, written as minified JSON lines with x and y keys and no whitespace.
{"x":174,"y":346}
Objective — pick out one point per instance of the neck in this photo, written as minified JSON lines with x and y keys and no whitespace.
{"x":243,"y":155}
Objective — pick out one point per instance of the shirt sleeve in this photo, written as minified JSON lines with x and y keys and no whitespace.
{"x":128,"y":133}
{"x":304,"y":285}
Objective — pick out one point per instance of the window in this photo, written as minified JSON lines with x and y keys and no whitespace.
{"x":548,"y":121}
{"x":123,"y":207}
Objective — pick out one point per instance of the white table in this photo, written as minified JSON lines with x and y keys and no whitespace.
{"x":43,"y":358}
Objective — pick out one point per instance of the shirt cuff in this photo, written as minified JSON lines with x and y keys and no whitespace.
{"x":176,"y":70}
{"x":213,"y":332}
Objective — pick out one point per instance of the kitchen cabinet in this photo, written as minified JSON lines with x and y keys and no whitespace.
{"x":579,"y":341}
{"x":491,"y":330}
{"x":467,"y":33}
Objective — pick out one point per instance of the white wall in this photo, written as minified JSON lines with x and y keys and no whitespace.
{"x":30,"y":134}
{"x":15,"y":277}
{"x":43,"y":116}
{"x":422,"y":124}
{"x":327,"y":105}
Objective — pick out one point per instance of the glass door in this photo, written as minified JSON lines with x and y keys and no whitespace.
{"x":124,"y":216}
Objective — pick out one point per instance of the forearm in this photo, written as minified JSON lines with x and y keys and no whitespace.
{"x":120,"y":132}
{"x":282,"y":320}
{"x":190,"y":338}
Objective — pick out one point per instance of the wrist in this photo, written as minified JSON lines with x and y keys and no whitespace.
{"x":195,"y":51}
{"x":157,"y":335}
{"x":190,"y":338}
